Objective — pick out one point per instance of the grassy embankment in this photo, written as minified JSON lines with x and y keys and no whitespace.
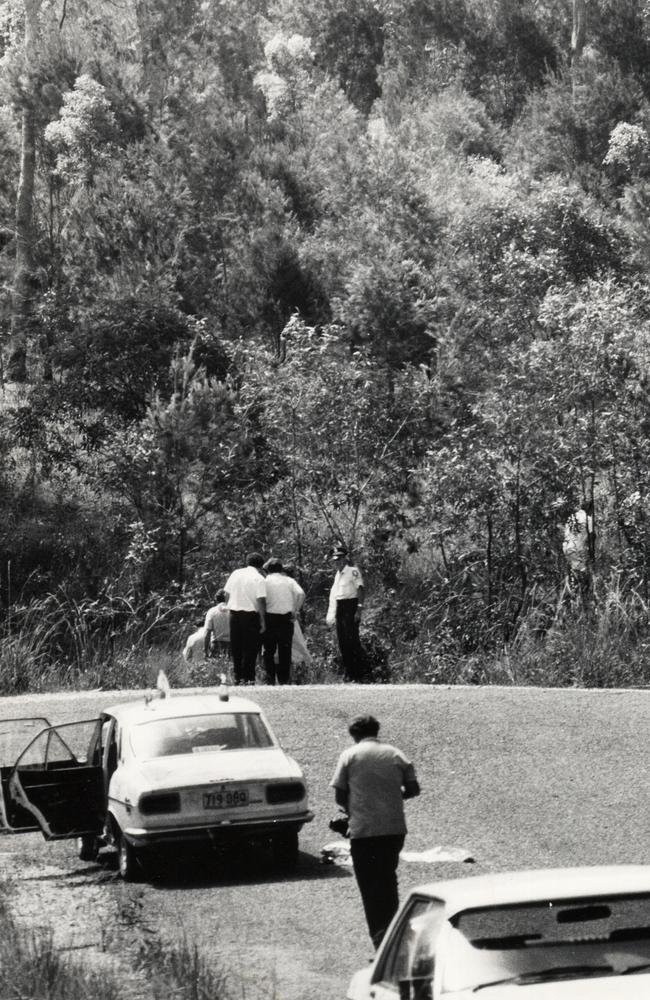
{"x":64,"y":645}
{"x":34,"y":967}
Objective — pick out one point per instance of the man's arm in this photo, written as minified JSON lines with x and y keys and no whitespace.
{"x":299,"y":597}
{"x":206,"y":641}
{"x":411,"y":788}
{"x":261,"y":607}
{"x":341,"y":798}
{"x":361,"y":593}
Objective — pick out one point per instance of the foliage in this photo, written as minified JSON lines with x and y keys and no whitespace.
{"x":292,"y":273}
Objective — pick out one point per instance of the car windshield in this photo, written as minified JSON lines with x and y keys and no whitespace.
{"x":193,"y":734}
{"x":553,"y":939}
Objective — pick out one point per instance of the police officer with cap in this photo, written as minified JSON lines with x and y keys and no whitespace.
{"x":345,"y":608}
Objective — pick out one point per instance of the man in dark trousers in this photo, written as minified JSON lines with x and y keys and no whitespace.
{"x":344,"y":611}
{"x":245,"y":593}
{"x":284,"y":598}
{"x":370,"y":782}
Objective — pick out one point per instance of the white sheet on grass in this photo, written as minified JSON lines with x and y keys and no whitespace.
{"x":338,"y":853}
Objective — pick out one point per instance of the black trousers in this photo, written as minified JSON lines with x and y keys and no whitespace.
{"x":375,"y":861}
{"x":245,"y":642}
{"x":278,"y":636}
{"x":347,"y":632}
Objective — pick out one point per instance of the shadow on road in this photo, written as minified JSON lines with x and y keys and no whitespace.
{"x":203,"y":867}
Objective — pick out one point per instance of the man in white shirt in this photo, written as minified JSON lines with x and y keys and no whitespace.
{"x":245,"y":593}
{"x":345,"y":604}
{"x":216,"y":628}
{"x":284,"y":598}
{"x":370,"y":783}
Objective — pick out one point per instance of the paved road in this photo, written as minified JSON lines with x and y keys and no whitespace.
{"x":519,"y":777}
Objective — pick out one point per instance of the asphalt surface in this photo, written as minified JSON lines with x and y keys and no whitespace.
{"x":520,"y":778}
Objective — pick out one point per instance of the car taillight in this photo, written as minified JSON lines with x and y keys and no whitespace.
{"x":285,"y":792}
{"x":160,"y":802}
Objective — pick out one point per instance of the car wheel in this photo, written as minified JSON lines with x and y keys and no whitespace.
{"x":285,"y":849}
{"x":88,"y":847}
{"x":129,"y":862}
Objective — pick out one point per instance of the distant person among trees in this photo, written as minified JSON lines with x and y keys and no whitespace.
{"x":245,"y":593}
{"x":578,"y":548}
{"x":284,"y":598}
{"x":217,"y":626}
{"x":370,"y":783}
{"x":344,"y":611}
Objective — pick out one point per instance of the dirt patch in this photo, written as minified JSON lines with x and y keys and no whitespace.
{"x":78,"y":910}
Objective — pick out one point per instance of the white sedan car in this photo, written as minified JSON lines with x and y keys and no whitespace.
{"x":152,"y":772}
{"x":565,"y":934}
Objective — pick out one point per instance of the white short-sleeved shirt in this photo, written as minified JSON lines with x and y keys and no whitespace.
{"x":217,"y":620}
{"x":373,"y":775}
{"x":244,"y":588}
{"x":346,"y":583}
{"x":283,"y":594}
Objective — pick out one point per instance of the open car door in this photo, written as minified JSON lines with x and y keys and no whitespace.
{"x":15,"y":735}
{"x":58,"y":781}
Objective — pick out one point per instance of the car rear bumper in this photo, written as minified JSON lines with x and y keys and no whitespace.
{"x":224,"y":830}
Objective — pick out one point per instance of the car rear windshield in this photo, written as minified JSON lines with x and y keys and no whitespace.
{"x":193,"y":734}
{"x":611,"y":933}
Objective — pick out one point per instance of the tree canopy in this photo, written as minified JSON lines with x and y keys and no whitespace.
{"x":280,"y":273}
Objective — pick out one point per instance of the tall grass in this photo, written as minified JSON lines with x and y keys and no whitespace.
{"x":180,"y":970}
{"x":60,"y":643}
{"x":31,"y":967}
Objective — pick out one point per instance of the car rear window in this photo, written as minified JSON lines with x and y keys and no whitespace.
{"x":491,"y":943}
{"x":195,"y":734}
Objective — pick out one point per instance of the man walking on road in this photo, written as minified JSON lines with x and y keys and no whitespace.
{"x":370,"y":782}
{"x":284,"y":598}
{"x":344,"y":611}
{"x":245,"y":593}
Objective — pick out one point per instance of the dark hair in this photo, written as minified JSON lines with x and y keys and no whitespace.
{"x":273,"y":566}
{"x":255,"y":559}
{"x":289,"y":569}
{"x":221,"y":595}
{"x":363,"y":725}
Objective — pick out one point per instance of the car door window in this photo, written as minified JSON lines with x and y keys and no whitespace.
{"x":15,"y":734}
{"x":59,"y":780}
{"x":408,"y":963}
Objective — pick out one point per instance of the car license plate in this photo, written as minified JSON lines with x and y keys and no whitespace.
{"x":225,"y":799}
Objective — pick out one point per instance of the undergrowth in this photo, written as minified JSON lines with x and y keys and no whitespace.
{"x":602,"y":643}
{"x":32,"y":967}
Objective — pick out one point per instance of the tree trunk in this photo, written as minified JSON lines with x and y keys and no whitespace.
{"x":24,"y":284}
{"x":578,"y":38}
{"x":579,"y":31}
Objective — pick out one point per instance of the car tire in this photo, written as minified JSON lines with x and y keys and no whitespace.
{"x":129,"y":861}
{"x":88,"y":847}
{"x":285,"y":849}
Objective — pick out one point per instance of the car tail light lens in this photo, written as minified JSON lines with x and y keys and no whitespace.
{"x":286,"y":791}
{"x":160,"y":802}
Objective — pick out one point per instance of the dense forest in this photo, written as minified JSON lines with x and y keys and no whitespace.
{"x":282,"y":273}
